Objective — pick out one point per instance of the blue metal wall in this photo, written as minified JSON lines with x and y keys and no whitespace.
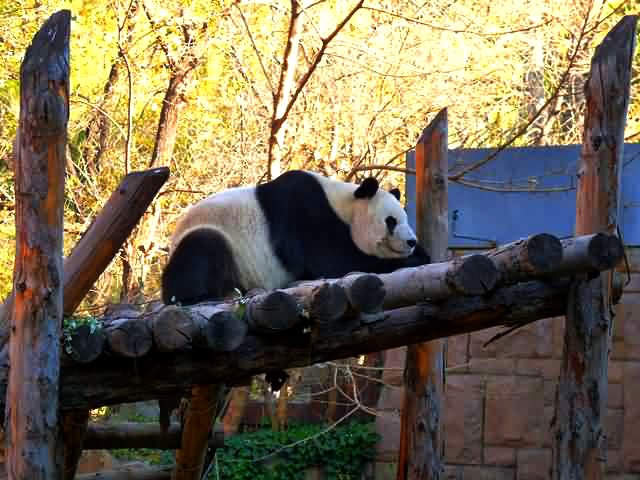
{"x":482,"y":218}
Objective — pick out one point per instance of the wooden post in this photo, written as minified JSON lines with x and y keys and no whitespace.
{"x":35,"y":449}
{"x":197,"y":426}
{"x":579,"y":447}
{"x":420,"y":431}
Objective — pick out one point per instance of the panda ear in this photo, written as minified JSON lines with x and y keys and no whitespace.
{"x":367,"y":189}
{"x":395,"y":192}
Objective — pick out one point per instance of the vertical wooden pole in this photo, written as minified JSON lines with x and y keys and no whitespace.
{"x":197,"y":426}
{"x":35,"y":450}
{"x":420,"y":434}
{"x":579,"y":449}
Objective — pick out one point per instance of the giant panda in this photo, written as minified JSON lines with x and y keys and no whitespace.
{"x":300,"y":226}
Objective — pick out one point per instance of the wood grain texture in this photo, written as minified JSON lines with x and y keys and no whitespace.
{"x":579,"y":449}
{"x":35,"y":446}
{"x":420,"y":453}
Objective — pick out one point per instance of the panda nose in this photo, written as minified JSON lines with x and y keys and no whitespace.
{"x":411,"y":243}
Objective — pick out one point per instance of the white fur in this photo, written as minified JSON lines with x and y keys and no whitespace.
{"x":367,"y":216}
{"x":236,"y":214}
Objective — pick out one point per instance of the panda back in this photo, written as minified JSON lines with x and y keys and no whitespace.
{"x":236,"y":214}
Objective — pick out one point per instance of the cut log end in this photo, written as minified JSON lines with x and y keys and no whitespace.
{"x":131,"y":339}
{"x":328,"y":303}
{"x":172,"y":329}
{"x":477,"y":275}
{"x":544,"y":252}
{"x":366,"y":294}
{"x":605,"y":251}
{"x":223,"y":332}
{"x":274,"y":312}
{"x":85,"y":345}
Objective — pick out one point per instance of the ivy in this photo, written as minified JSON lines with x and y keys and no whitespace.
{"x":72,"y":323}
{"x":342,"y":452}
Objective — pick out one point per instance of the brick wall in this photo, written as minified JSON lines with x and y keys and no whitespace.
{"x":499,"y":400}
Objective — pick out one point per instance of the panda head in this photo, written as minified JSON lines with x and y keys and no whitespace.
{"x":379,"y":224}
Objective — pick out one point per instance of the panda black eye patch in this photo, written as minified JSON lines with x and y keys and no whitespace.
{"x":391,"y":223}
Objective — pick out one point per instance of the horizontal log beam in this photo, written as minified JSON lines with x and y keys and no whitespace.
{"x":105,"y":382}
{"x":539,"y":256}
{"x":134,"y":472}
{"x":107,"y":436}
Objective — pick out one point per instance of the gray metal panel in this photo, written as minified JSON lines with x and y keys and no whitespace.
{"x":482,"y":217}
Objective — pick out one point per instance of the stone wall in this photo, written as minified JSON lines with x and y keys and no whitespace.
{"x":499,"y":400}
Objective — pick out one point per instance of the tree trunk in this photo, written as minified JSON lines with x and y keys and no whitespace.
{"x":35,"y":447}
{"x":282,"y":96}
{"x":420,"y":433}
{"x":100,"y":126}
{"x":579,"y":447}
{"x":168,"y":124}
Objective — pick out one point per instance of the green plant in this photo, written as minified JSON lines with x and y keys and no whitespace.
{"x":149,"y":455}
{"x":342,"y":451}
{"x":74,"y":322}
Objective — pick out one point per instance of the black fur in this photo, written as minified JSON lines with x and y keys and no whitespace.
{"x":367,"y":189}
{"x":310,"y":239}
{"x":201,"y":268}
{"x":306,"y":235}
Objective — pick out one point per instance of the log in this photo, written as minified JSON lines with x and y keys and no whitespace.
{"x":579,"y":440}
{"x":223,"y":331}
{"x":85,"y":344}
{"x":172,"y":329}
{"x":271,"y":312}
{"x":366,"y":294}
{"x":535,"y":256}
{"x":136,"y":471}
{"x":108,"y":381}
{"x":109,"y":230}
{"x":74,"y":424}
{"x":105,"y":436}
{"x":218,"y":327}
{"x":325,"y":302}
{"x":420,"y":454}
{"x":224,"y":326}
{"x":474,"y":275}
{"x":471,"y":275}
{"x":129,"y":337}
{"x":200,"y":415}
{"x":34,"y":435}
{"x":597,"y":252}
